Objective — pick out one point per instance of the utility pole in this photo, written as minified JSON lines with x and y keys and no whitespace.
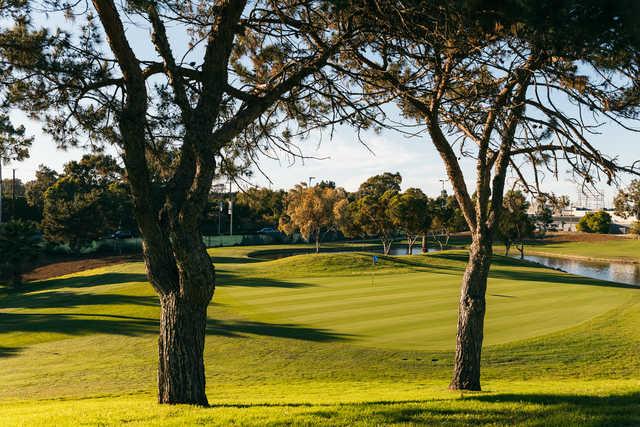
{"x":13,"y":196}
{"x":230,"y":211}
{"x":442,"y":181}
{"x":220,"y":209}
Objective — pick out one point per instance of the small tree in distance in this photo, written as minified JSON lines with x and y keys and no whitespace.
{"x":370,"y":213}
{"x":447,"y":218}
{"x":627,"y":201}
{"x":310,"y":210}
{"x":89,"y":201}
{"x":409,"y":212}
{"x":558,"y":203}
{"x":515,"y":224}
{"x":595,"y":222}
{"x":45,"y":178}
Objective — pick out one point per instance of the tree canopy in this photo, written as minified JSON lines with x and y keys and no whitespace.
{"x":311,"y":211}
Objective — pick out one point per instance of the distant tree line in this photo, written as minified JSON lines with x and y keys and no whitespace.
{"x":378,"y":209}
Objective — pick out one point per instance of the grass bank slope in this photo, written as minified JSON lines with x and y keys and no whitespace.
{"x":589,"y":247}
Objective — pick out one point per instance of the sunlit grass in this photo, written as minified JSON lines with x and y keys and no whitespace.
{"x":322,"y":340}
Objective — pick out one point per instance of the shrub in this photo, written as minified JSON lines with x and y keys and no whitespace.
{"x":595,"y":222}
{"x":19,"y":247}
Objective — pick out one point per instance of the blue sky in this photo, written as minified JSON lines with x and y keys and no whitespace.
{"x":347,"y":162}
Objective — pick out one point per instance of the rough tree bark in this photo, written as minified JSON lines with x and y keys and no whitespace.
{"x":180,"y":350}
{"x":466,"y":373}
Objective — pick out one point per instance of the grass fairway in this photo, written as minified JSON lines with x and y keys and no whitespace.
{"x":322,"y":340}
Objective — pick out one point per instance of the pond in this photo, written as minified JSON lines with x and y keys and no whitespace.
{"x":612,"y":271}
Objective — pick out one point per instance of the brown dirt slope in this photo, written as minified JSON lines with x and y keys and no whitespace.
{"x":60,"y":268}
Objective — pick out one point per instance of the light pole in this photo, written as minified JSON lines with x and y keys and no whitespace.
{"x":220,"y":209}
{"x":230,"y":211}
{"x":443,"y":192}
{"x":13,"y":196}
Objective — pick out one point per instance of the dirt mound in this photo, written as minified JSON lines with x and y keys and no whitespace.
{"x":61,"y":267}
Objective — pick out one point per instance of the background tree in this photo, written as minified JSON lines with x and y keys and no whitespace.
{"x":447,"y":218}
{"x":409,"y":212}
{"x":86,"y":203}
{"x":11,"y":187}
{"x":515,"y":223}
{"x":19,"y":248}
{"x":179,"y":115}
{"x":257,"y":208}
{"x":370,"y":214}
{"x":34,"y":190}
{"x":543,"y":219}
{"x":311,"y":211}
{"x":377,"y":185}
{"x":627,"y":201}
{"x":595,"y":222}
{"x":635,"y":229}
{"x":505,"y":87}
{"x":558,"y":203}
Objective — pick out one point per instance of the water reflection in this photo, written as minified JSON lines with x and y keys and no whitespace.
{"x":619,"y":272}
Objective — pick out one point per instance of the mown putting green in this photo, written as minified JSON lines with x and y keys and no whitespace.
{"x":410,"y":302}
{"x":317,"y":339}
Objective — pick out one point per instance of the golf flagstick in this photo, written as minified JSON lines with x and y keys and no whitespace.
{"x":373,"y":269}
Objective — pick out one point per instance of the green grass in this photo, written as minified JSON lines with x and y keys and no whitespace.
{"x":318,"y":339}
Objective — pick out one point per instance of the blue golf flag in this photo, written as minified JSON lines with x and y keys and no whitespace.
{"x":375,"y":259}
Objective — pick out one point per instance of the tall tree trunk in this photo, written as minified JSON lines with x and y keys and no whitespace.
{"x":425,"y":249}
{"x":180,"y":350}
{"x":386,"y":246}
{"x":183,"y":321}
{"x":466,"y":372}
{"x":318,"y":242}
{"x":521,"y":249}
{"x":410,"y":242}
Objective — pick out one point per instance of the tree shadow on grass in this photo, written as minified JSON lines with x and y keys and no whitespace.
{"x":233,"y":260}
{"x":244,"y":328}
{"x":76,"y":323}
{"x":502,"y":409}
{"x":613,"y":410}
{"x":8,"y":351}
{"x":226,"y":279}
{"x":83,"y":281}
{"x":61,"y":299}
